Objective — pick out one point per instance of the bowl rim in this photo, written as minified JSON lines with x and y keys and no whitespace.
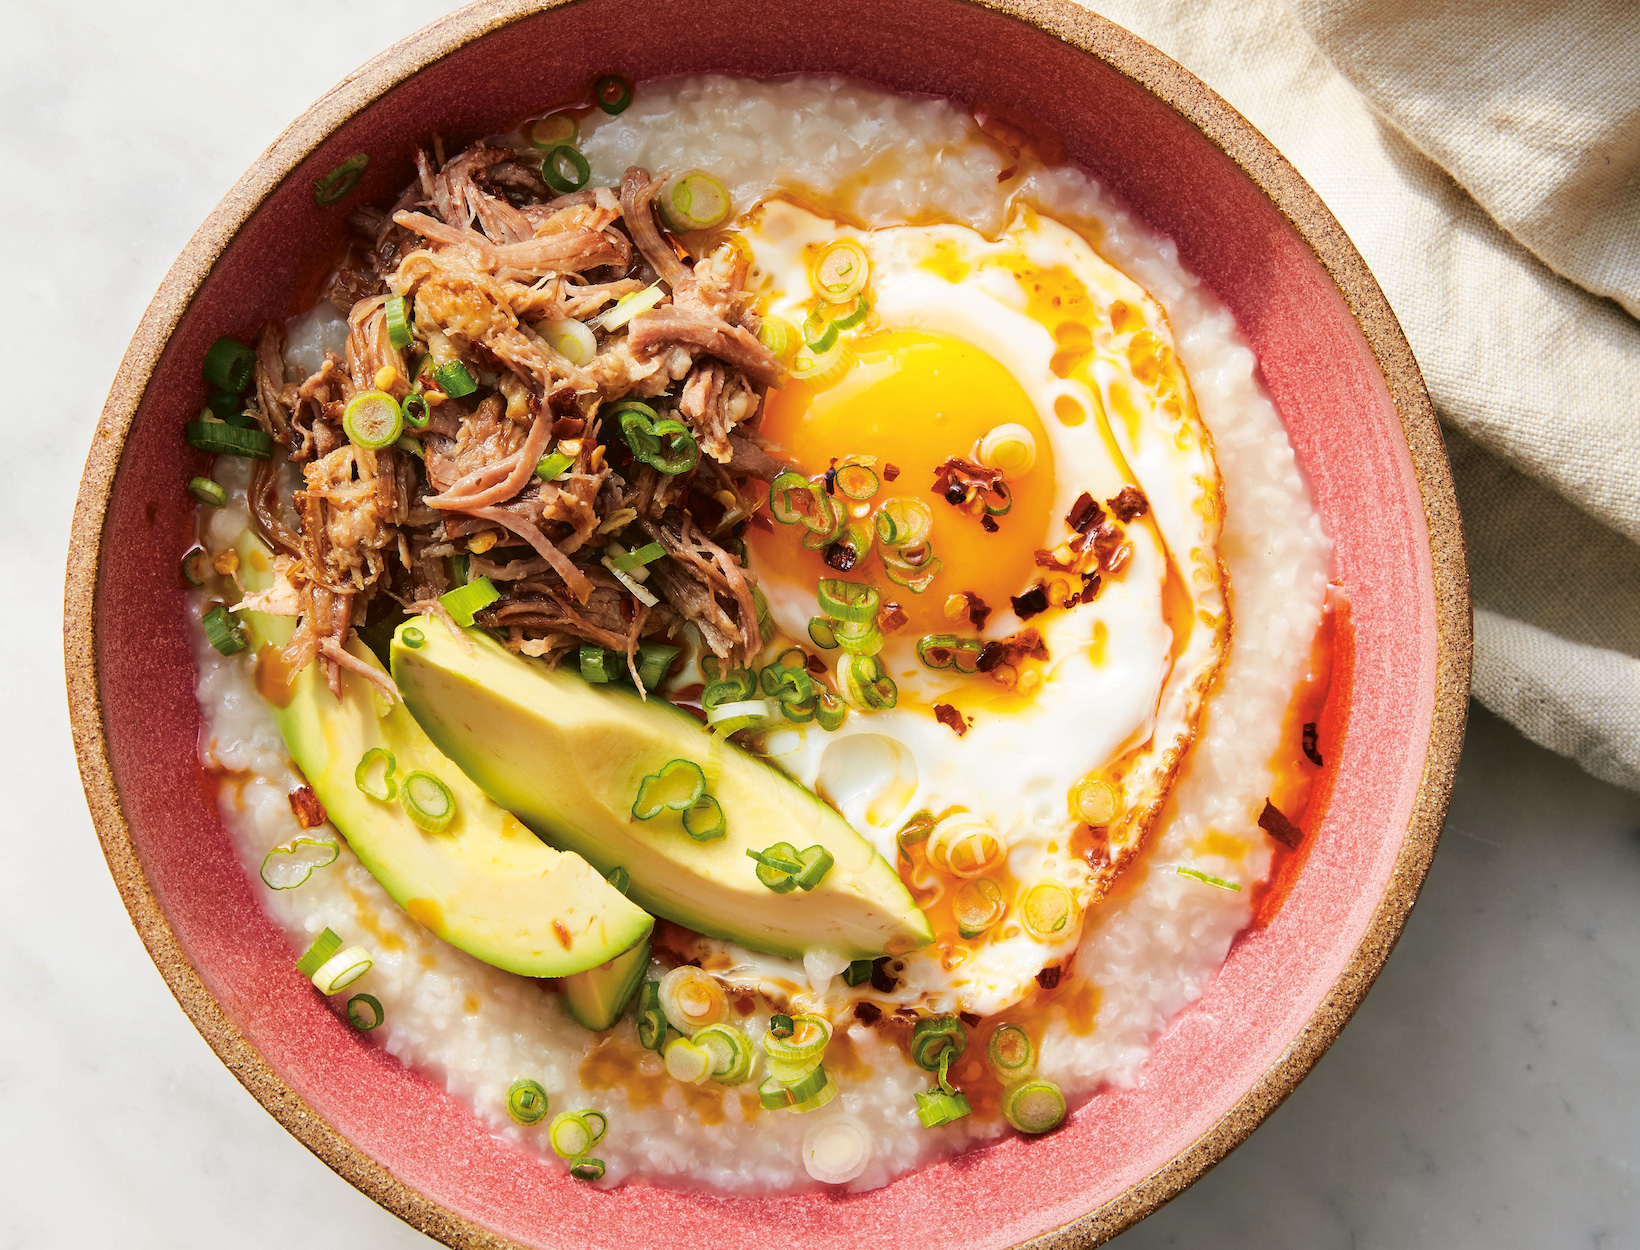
{"x":1095,"y":36}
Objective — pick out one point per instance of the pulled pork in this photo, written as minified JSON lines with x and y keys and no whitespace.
{"x":508,"y":282}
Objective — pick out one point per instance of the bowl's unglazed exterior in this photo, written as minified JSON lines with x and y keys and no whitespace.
{"x":1334,"y":360}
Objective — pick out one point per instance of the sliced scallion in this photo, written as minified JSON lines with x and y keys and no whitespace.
{"x":779,"y":336}
{"x":704,"y":820}
{"x":318,"y":954}
{"x":686,"y":1061}
{"x":1010,"y":1051}
{"x":289,"y":865}
{"x":207,"y":491}
{"x":397,"y":312}
{"x":620,"y":878}
{"x":339,"y":181}
{"x":821,"y":1096}
{"x":903,"y":522}
{"x":586,"y":1168}
{"x":638,"y":557}
{"x":229,"y":365}
{"x":342,"y":969}
{"x":1047,"y":911}
{"x":948,"y":651}
{"x":223,"y":631}
{"x":858,"y":972}
{"x":933,"y":1037}
{"x":628,"y":307}
{"x":731,"y":718}
{"x":936,"y":1107}
{"x":819,"y":335}
{"x":1195,"y":874}
{"x":692,"y":999}
{"x":571,"y":1135}
{"x":464,"y":601}
{"x":553,"y":466}
{"x":777,"y":867}
{"x":571,"y":339}
{"x":1009,"y":448}
{"x":793,"y":1041}
{"x":226,"y":405}
{"x":372,"y":420}
{"x":864,"y":683}
{"x":415,"y":410}
{"x":977,"y":906}
{"x":676,"y":787}
{"x":427,"y":801}
{"x":694,"y":200}
{"x":649,"y":1017}
{"x":836,"y":1151}
{"x":730,"y":1051}
{"x":829,"y":711}
{"x":854,"y":316}
{"x":848,"y":601}
{"x":547,"y":133}
{"x":364,"y":1012}
{"x":454,"y":380}
{"x":858,"y":482}
{"x":385,"y":792}
{"x":527,"y":1102}
{"x":552,"y":169}
{"x":599,"y":665}
{"x":823,"y":632}
{"x":817,"y":861}
{"x":1034,"y":1106}
{"x":195,"y":567}
{"x":613,"y":94}
{"x":414,"y":638}
{"x":222,"y":439}
{"x":654,"y":660}
{"x":841,"y":271}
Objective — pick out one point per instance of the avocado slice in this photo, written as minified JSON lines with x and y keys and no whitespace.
{"x":486,"y":884}
{"x":596,"y":997}
{"x":568,"y":758}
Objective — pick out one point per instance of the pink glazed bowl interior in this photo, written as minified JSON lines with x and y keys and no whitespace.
{"x":1332,"y":356}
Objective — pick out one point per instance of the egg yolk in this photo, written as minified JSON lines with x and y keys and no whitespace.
{"x":913,"y":400}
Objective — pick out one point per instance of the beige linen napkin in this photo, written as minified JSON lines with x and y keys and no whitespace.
{"x":1485,"y":158}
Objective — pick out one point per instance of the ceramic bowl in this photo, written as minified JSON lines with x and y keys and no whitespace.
{"x":1334,"y":360}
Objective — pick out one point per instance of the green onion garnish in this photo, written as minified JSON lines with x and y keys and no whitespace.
{"x":551,"y":132}
{"x":666,"y":444}
{"x":978,"y":905}
{"x":829,"y":711}
{"x":730,"y":1051}
{"x":704,"y":820}
{"x":841,"y":271}
{"x":397,"y":310}
{"x":933,"y":1037}
{"x":573,"y":1133}
{"x":779,"y":336}
{"x":855,"y":315}
{"x":613,"y":94}
{"x":628,"y":307}
{"x":694,"y":200}
{"x":823,"y":632}
{"x":454,"y":380}
{"x":207,"y":491}
{"x":796,"y":1042}
{"x":817,"y":862}
{"x":791,"y":497}
{"x":229,"y":365}
{"x":650,"y":1019}
{"x":675,"y":788}
{"x":223,"y":630}
{"x":730,"y":718}
{"x":848,"y":601}
{"x":195,"y":569}
{"x":553,"y":466}
{"x":221,"y":439}
{"x":654,"y":660}
{"x":407,"y":444}
{"x":367,"y":764}
{"x":864,"y":682}
{"x":364,"y":1012}
{"x":527,"y":1102}
{"x":427,"y":801}
{"x":339,"y":181}
{"x":586,"y":1168}
{"x":372,"y":420}
{"x":620,"y":878}
{"x":686,"y":1061}
{"x":342,"y":969}
{"x":1207,"y":879}
{"x":415,"y":410}
{"x":462,"y":602}
{"x":571,"y":339}
{"x":903,"y":522}
{"x":640,"y":556}
{"x":949,"y":651}
{"x":936,"y":1107}
{"x":858,"y":482}
{"x":1010,"y":1051}
{"x":461,"y":568}
{"x":916,"y":575}
{"x":777,"y":867}
{"x":552,"y":169}
{"x":226,"y":405}
{"x":600,"y":665}
{"x":287,"y":866}
{"x":819,"y":335}
{"x":317,"y":955}
{"x":414,"y":638}
{"x":1046,"y":911}
{"x":858,"y":972}
{"x":1034,"y":1106}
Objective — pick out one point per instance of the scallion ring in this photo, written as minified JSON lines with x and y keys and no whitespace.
{"x":342,"y":969}
{"x":547,"y":133}
{"x":1195,"y":874}
{"x":654,"y":660}
{"x":221,"y":439}
{"x":207,"y":491}
{"x":223,"y":631}
{"x":552,"y":169}
{"x":779,"y":336}
{"x":704,"y":820}
{"x":527,"y":1102}
{"x":675,"y":787}
{"x":427,"y":801}
{"x":388,"y":789}
{"x":903,"y":522}
{"x":414,"y":638}
{"x":613,"y":94}
{"x":823,"y":632}
{"x":571,"y":1135}
{"x":855,"y":315}
{"x":841,"y":271}
{"x":848,"y":601}
{"x":777,"y":867}
{"x":571,"y":339}
{"x":837,"y":1150}
{"x":586,"y":1168}
{"x":964,"y":845}
{"x":649,"y":1018}
{"x":829,"y":711}
{"x":229,"y":365}
{"x":638,"y":557}
{"x":934,"y":1036}
{"x":977,"y":905}
{"x":619,"y":878}
{"x":936,"y":1107}
{"x":319,"y":952}
{"x":731,"y":718}
{"x":397,"y":312}
{"x":1008,"y":448}
{"x":730,"y":1051}
{"x":863,"y":682}
{"x":454,"y":379}
{"x":858,"y":482}
{"x":195,"y":567}
{"x":686,"y":1061}
{"x":1011,"y":1052}
{"x":339,"y":181}
{"x":1034,"y":1106}
{"x":364,"y":1012}
{"x":553,"y":466}
{"x":679,"y":452}
{"x":1047,"y":911}
{"x":372,"y":420}
{"x":819,"y":335}
{"x":462,"y":602}
{"x":692,"y":999}
{"x":415,"y":410}
{"x":289,"y":865}
{"x":694,"y":200}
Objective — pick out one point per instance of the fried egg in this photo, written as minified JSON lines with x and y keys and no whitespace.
{"x":963,"y":335}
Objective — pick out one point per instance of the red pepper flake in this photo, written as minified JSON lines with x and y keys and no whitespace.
{"x":946,"y":714}
{"x":890,"y":472}
{"x":1276,"y":824}
{"x":968,"y":1018}
{"x":1311,"y":740}
{"x":310,"y":813}
{"x":1084,"y":514}
{"x":1048,"y":978}
{"x":841,"y":556}
{"x":1129,"y":503}
{"x":978,"y":612}
{"x":1030,"y":603}
{"x":867,"y":1013}
{"x":568,"y":427}
{"x":815,"y":664}
{"x":891,"y":617}
{"x":1027,"y":644}
{"x":882,"y":980}
{"x":1091,"y":582}
{"x":910,"y":1013}
{"x":561,"y":933}
{"x":989,"y":524}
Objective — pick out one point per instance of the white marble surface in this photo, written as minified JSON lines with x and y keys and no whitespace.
{"x":1487,"y":1096}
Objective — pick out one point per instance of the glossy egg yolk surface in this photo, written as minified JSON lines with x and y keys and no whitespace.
{"x":913,"y":400}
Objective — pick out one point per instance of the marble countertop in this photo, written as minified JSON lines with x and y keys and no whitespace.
{"x":1487,"y":1095}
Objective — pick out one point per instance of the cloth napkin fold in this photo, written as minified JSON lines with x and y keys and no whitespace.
{"x":1485,"y":158}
